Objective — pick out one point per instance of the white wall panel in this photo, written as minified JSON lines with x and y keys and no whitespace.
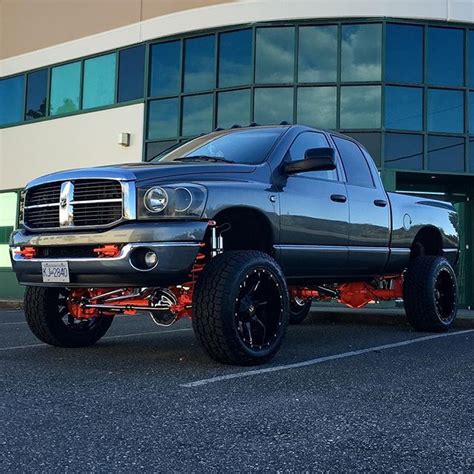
{"x":35,"y":149}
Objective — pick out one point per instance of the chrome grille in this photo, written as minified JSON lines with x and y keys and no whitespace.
{"x":75,"y":203}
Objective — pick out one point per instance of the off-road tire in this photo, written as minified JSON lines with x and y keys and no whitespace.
{"x":216,"y":307}
{"x":43,"y":315}
{"x":427,"y":308}
{"x":299,"y":313}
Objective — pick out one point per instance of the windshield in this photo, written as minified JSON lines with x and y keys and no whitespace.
{"x":242,"y":146}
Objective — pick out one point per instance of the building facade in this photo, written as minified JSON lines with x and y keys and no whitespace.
{"x":398,"y":76}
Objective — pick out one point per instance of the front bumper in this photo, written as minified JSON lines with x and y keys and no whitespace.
{"x":176,"y":245}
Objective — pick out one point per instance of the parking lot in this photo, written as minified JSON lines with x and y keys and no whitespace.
{"x":343,"y":394}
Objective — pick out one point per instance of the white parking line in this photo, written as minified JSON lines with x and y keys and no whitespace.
{"x":319,"y":360}
{"x":119,"y":336}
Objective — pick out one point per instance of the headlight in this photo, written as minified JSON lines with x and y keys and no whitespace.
{"x":172,"y":201}
{"x":156,"y":199}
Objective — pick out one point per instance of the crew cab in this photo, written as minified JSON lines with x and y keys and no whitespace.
{"x":239,"y":230}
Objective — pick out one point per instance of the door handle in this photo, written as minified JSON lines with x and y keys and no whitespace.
{"x":338,"y":198}
{"x":380,"y":202}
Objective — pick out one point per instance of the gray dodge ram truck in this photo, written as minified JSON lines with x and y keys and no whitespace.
{"x":239,"y":230}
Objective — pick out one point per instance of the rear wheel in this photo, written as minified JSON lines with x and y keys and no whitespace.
{"x":240,"y":309}
{"x":430,"y":294}
{"x":299,"y":310}
{"x":50,"y":321}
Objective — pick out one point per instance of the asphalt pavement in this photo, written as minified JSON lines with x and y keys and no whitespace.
{"x":344,"y":394}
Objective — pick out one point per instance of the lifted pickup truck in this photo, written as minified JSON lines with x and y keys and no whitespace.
{"x":239,"y":230}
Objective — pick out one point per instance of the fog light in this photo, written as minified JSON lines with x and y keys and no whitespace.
{"x":143,"y":259}
{"x":151,"y":259}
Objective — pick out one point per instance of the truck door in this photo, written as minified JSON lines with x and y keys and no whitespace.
{"x":369,"y":210}
{"x":314,"y":222}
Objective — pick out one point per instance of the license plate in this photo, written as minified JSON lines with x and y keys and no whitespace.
{"x":55,"y":272}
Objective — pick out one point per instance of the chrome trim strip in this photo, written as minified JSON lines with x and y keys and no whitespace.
{"x":124,"y":252}
{"x":450,"y":250}
{"x":96,"y":201}
{"x":65,"y":204}
{"x":129,"y":194}
{"x":37,"y":206}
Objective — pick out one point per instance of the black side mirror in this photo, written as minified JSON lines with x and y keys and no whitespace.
{"x":315,"y":159}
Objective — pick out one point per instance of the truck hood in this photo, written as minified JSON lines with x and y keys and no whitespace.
{"x":146,"y":171}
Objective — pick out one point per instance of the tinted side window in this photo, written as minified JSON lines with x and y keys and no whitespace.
{"x":355,"y":165}
{"x":305,"y":141}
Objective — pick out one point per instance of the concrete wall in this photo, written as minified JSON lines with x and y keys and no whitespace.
{"x":29,"y":151}
{"x":28,"y":25}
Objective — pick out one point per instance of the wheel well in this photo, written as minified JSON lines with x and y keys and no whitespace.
{"x":428,"y":241}
{"x":249,"y":230}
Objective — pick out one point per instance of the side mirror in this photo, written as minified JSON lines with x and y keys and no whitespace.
{"x":315,"y":159}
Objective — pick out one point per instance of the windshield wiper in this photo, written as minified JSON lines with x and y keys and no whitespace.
{"x":216,"y":159}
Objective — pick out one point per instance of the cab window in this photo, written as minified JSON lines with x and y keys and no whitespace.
{"x":305,"y":141}
{"x":354,"y":162}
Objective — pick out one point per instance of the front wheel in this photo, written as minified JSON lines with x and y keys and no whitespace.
{"x":430,"y":294}
{"x":241,"y":308}
{"x":49,"y":319}
{"x":299,"y":310}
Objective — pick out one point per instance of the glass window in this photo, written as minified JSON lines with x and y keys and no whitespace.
{"x":445,"y":111}
{"x":361,"y":107}
{"x":11,"y":100}
{"x":356,"y":167}
{"x":233,"y":108}
{"x":199,"y":64}
{"x":471,"y":112}
{"x":273,"y":105}
{"x":65,"y":88}
{"x":131,"y":73}
{"x":445,"y":153}
{"x":155,"y":149}
{"x":404,"y":151}
{"x":306,"y":141}
{"x":99,"y":81}
{"x":404,"y":108}
{"x":445,"y":56}
{"x":372,"y":142}
{"x":361,"y":53}
{"x":471,"y":58}
{"x":471,"y":155}
{"x":248,"y":146}
{"x":36,"y":89}
{"x":317,"y":106}
{"x":317,"y":56}
{"x":404,"y":53}
{"x":163,"y":118}
{"x":164,"y":69}
{"x":275,"y":62}
{"x":8,"y":206}
{"x":197,"y":114}
{"x":235,"y":58}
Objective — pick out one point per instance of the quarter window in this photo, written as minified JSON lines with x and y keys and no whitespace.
{"x":306,"y":141}
{"x":355,"y":164}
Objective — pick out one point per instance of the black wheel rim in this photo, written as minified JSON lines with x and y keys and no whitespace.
{"x":67,"y":320}
{"x":297,"y":304}
{"x":259,"y":310}
{"x":445,"y":295}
